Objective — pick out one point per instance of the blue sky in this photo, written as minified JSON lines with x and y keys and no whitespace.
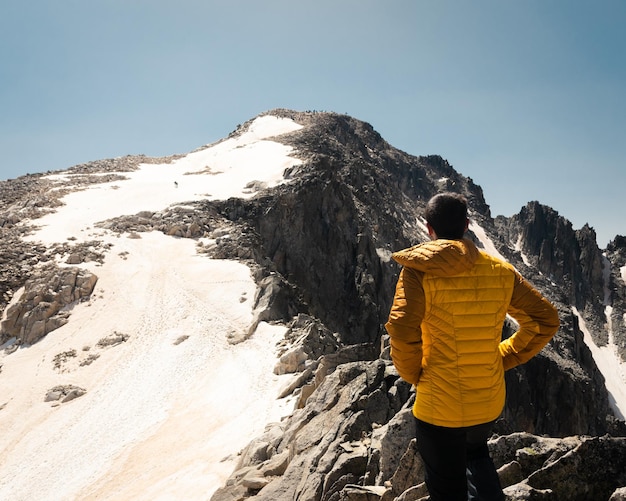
{"x":525,"y":97}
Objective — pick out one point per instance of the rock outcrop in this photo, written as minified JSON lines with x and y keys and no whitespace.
{"x":42,"y":306}
{"x":64,"y":393}
{"x":567,"y":256}
{"x":354,"y":440}
{"x":615,"y":271}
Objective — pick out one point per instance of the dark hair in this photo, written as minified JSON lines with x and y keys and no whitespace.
{"x":447,"y":214}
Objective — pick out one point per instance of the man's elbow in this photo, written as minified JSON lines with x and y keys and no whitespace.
{"x":553,"y":322}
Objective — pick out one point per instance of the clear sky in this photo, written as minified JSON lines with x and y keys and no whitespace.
{"x":528,"y":98}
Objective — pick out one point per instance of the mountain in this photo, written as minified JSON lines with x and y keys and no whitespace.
{"x":211,"y":324}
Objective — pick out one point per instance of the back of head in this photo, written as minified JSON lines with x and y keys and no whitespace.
{"x":446,"y":213}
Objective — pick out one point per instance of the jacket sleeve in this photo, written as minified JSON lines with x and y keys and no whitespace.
{"x":404,"y":325}
{"x":538,"y":322}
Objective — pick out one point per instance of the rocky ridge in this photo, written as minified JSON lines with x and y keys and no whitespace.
{"x":319,"y":247}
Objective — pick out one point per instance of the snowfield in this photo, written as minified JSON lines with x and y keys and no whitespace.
{"x":167,"y":410}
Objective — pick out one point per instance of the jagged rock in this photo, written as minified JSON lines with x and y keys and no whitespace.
{"x":569,"y":256}
{"x":554,"y":395}
{"x":18,"y":259}
{"x":524,"y":492}
{"x":410,"y":474}
{"x":298,"y":355}
{"x":362,"y":493}
{"x":326,"y":364}
{"x":593,"y":470}
{"x":261,"y":449}
{"x":619,"y":495}
{"x":416,"y":493}
{"x":530,"y":451}
{"x":41,"y":307}
{"x":328,"y":205}
{"x":572,"y":468}
{"x":510,"y":473}
{"x":299,"y":382}
{"x":273,"y":301}
{"x":392,"y":440}
{"x":336,"y":450}
{"x":327,"y":442}
{"x":292,"y":361}
{"x":324,"y":440}
{"x":64,"y":393}
{"x":307,"y":340}
{"x":74,"y":258}
{"x":254,"y":483}
{"x":277,"y":465}
{"x":616,"y":288}
{"x":113,"y":339}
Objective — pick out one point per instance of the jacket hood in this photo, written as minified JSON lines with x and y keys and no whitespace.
{"x":439,"y":257}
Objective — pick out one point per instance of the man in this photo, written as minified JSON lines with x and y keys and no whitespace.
{"x":445,"y":329}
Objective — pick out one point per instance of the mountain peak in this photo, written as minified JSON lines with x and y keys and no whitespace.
{"x":249,"y":268}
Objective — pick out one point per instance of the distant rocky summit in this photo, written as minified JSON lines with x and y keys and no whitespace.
{"x":319,"y":246}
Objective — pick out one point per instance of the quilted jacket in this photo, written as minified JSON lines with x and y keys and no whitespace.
{"x":445,"y":329}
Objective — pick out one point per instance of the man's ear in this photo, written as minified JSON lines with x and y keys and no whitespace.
{"x":431,"y":231}
{"x":466,"y":224}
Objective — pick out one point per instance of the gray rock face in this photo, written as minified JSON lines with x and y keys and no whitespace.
{"x":616,"y":288}
{"x":41,"y":307}
{"x":64,"y":393}
{"x":570,"y":257}
{"x":592,"y":470}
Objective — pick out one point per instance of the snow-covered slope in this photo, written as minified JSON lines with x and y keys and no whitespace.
{"x":611,"y":367}
{"x":228,"y":169}
{"x":164,"y":408}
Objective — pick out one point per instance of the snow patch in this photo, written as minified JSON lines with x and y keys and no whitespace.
{"x":518,"y":248}
{"x":175,"y":389}
{"x":384,"y":254}
{"x":421,"y":222}
{"x":486,"y":242}
{"x":610,"y":365}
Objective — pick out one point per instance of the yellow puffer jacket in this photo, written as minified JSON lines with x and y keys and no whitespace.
{"x":445,"y":329}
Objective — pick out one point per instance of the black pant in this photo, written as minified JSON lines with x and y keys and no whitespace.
{"x":457,"y":463}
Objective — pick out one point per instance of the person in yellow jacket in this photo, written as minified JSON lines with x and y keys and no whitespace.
{"x":445,"y":329}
